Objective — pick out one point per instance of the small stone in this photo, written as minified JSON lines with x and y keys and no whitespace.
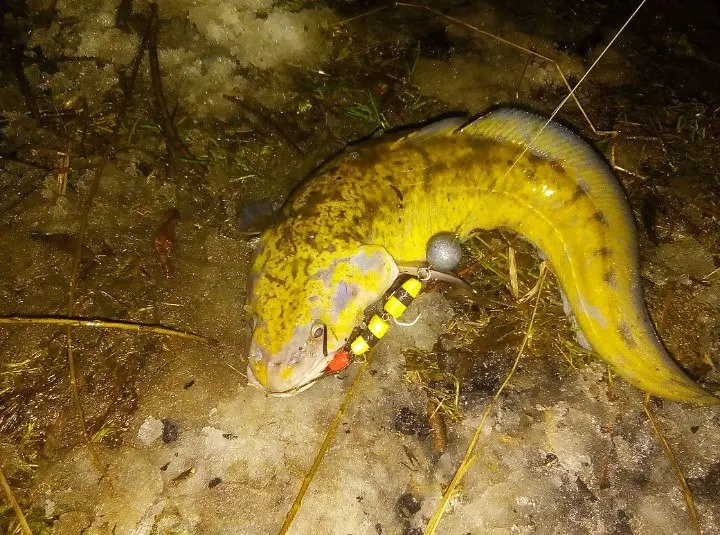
{"x":170,"y":431}
{"x":407,"y":505}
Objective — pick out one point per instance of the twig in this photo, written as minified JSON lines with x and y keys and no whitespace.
{"x":10,"y":497}
{"x":94,"y":186}
{"x":360,"y":16}
{"x":264,"y":123}
{"x":25,"y":87}
{"x":329,"y":436}
{"x":106,"y":324}
{"x":687,"y":493}
{"x":470,"y":455}
{"x":130,"y":83}
{"x":174,"y":143}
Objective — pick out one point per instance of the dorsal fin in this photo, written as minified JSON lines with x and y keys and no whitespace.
{"x":555,"y":142}
{"x":520,"y":127}
{"x":443,"y":127}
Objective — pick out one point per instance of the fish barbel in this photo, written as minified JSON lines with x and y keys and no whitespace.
{"x":346,"y":230}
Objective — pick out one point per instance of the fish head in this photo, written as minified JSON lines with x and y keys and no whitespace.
{"x":303,"y":309}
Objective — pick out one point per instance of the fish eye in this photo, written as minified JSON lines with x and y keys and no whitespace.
{"x":318,"y":330}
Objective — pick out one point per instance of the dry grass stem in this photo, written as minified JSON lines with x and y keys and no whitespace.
{"x":105,"y":324}
{"x":10,"y":497}
{"x":329,"y":437}
{"x":687,"y":493}
{"x":470,"y":454}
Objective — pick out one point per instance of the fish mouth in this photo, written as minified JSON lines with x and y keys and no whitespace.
{"x":292,"y":391}
{"x":314,"y":375}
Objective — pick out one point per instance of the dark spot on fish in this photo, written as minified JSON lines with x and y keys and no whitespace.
{"x":276,"y":280}
{"x":580,"y":191}
{"x":599,"y":217}
{"x":533,"y":158}
{"x":214,"y":482}
{"x":397,"y":192}
{"x":557,"y":166}
{"x":626,"y":334}
{"x":509,"y":163}
{"x":610,"y":279}
{"x":603,"y":252}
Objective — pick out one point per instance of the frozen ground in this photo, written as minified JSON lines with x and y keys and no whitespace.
{"x":558,"y":455}
{"x":186,"y":447}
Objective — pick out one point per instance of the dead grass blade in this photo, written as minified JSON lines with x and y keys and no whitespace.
{"x":329,"y":437}
{"x":687,"y":493}
{"x":470,"y":454}
{"x":10,"y":497}
{"x":106,"y":324}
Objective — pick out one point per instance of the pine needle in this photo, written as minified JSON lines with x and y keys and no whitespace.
{"x":687,"y":493}
{"x":329,"y":437}
{"x":10,"y":497}
{"x":105,"y":324}
{"x":470,"y":454}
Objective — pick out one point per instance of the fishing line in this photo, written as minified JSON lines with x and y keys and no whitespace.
{"x":571,"y":94}
{"x":572,"y":91}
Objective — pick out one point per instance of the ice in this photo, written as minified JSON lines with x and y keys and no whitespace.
{"x":150,"y":430}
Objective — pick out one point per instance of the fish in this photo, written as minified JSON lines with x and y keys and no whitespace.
{"x":346,"y":232}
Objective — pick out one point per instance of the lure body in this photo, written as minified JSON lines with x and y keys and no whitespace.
{"x":346,"y":229}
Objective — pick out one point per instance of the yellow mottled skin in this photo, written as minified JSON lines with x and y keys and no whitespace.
{"x":384,"y":200}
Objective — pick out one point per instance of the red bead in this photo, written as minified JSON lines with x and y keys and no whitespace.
{"x":340,"y":361}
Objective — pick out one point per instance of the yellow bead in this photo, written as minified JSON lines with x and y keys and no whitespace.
{"x":394,"y":307}
{"x":378,"y":326}
{"x":359,"y":346}
{"x":412,"y":286}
